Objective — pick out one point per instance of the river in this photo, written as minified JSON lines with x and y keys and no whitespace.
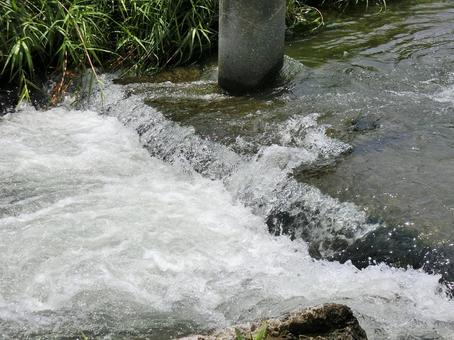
{"x":164,"y":209}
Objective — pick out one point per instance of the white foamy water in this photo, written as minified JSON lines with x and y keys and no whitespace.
{"x":301,"y":141}
{"x":97,"y":236}
{"x":445,"y":96}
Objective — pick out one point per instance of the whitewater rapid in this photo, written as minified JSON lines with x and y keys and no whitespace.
{"x":97,"y":236}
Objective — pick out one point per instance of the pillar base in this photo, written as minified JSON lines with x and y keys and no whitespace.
{"x":251,"y":44}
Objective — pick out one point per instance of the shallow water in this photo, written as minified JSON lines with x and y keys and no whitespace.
{"x":169,"y":208}
{"x":397,"y":68}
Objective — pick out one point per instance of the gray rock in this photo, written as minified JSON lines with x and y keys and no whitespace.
{"x":325,"y":322}
{"x":365,"y":123}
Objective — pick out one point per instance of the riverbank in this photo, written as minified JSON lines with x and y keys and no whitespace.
{"x":57,"y":40}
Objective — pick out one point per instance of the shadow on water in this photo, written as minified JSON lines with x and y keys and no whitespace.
{"x":7,"y":102}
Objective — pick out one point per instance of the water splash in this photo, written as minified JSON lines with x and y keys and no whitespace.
{"x":121,"y":243}
{"x":325,"y":222}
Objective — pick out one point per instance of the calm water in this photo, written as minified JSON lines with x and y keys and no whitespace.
{"x":168,"y":208}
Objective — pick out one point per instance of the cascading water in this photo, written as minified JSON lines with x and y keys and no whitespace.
{"x":166,"y":209}
{"x":274,"y":189}
{"x":97,"y":237}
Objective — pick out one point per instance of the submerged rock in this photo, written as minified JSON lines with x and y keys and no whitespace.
{"x":325,"y":322}
{"x":365,"y":123}
{"x":401,"y":247}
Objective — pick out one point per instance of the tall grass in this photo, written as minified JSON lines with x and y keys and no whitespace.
{"x":161,"y":32}
{"x":40,"y":37}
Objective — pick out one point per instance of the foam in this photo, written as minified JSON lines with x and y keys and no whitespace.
{"x":104,"y":238}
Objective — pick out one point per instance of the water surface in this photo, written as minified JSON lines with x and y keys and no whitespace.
{"x":169,"y":208}
{"x":98,"y":238}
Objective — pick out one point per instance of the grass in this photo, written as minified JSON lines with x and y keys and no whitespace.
{"x":63,"y":37}
{"x":41,"y":36}
{"x":260,"y":334}
{"x":344,"y":4}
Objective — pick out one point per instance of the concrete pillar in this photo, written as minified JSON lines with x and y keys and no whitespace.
{"x":251,"y":43}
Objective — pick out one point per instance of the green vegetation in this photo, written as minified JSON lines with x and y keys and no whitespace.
{"x":40,"y":36}
{"x":63,"y":37}
{"x":260,"y":334}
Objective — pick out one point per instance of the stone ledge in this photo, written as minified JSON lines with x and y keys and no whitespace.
{"x":324,"y":322}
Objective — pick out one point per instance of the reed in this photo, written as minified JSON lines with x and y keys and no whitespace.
{"x":41,"y":36}
{"x":64,"y":37}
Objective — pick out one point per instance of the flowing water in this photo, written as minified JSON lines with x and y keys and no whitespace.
{"x":163,"y":209}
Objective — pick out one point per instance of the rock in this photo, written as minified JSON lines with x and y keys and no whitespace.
{"x":331,"y":321}
{"x":403,"y":248}
{"x":365,"y":123}
{"x":325,"y":322}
